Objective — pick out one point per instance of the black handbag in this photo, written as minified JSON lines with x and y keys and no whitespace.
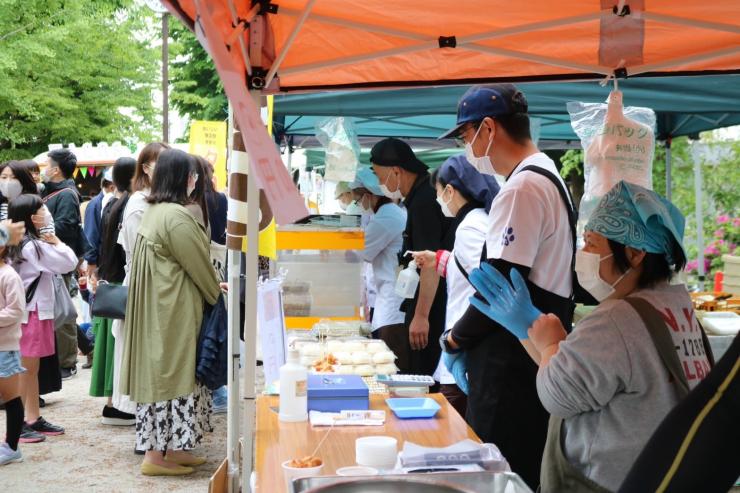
{"x":110,"y":301}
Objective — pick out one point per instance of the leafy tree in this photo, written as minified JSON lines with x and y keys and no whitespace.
{"x":74,"y":71}
{"x":197,"y":91}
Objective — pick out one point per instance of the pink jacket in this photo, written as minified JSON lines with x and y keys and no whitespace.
{"x":12,"y":308}
{"x":41,"y":258}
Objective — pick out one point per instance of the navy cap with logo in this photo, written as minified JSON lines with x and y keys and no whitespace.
{"x":395,"y":152}
{"x":489,"y":100}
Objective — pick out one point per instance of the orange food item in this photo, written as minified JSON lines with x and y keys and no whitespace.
{"x":308,"y":461}
{"x":325,"y":364}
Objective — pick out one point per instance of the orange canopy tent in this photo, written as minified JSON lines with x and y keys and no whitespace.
{"x":262,"y":47}
{"x":309,"y":45}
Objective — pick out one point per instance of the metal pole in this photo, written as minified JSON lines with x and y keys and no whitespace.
{"x":668,"y":164}
{"x":699,"y":219}
{"x":232,"y":417}
{"x":250,"y":323}
{"x":165,"y":77}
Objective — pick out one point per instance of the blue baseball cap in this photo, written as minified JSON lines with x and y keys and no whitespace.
{"x":489,"y":100}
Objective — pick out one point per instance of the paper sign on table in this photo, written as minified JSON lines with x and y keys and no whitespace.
{"x":271,"y":326}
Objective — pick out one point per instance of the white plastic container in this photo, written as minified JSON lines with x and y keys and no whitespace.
{"x":408,"y":281}
{"x":293,"y":389}
{"x":379,"y":452}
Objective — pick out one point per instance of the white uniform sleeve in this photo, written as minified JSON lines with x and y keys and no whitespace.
{"x":468,"y":247}
{"x":380,"y":232}
{"x":516,"y":227}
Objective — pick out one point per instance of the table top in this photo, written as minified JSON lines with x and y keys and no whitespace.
{"x":276,"y":442}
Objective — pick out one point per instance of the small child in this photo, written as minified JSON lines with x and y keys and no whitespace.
{"x":12,"y":307}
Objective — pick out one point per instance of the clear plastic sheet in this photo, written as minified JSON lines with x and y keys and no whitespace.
{"x":338,"y":136}
{"x":619,"y":144}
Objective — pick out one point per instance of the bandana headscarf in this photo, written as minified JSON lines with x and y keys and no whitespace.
{"x":639,"y":218}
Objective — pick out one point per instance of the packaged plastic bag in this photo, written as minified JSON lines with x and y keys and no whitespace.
{"x":338,"y":136}
{"x":619,"y":144}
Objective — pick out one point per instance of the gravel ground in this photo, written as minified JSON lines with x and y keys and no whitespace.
{"x":93,"y":457}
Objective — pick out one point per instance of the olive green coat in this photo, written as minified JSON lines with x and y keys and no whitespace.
{"x":171,"y":276}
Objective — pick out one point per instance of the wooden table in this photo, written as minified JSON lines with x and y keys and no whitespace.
{"x":276,"y":442}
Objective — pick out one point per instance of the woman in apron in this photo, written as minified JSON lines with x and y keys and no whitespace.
{"x":609,"y":383}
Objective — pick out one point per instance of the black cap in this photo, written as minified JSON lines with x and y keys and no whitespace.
{"x":489,"y":100}
{"x":395,"y":152}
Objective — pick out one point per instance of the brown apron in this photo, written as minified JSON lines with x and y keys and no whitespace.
{"x":557,"y":473}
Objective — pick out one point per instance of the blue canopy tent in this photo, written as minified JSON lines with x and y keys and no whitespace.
{"x":684,"y":106}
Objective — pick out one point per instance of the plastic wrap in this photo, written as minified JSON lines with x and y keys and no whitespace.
{"x":619,"y":144}
{"x":341,"y":146}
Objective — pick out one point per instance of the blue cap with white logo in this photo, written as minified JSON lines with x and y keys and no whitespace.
{"x":490,"y":100}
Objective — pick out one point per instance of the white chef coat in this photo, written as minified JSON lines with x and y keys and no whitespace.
{"x":528,"y":225}
{"x":469,"y":239}
{"x":383,"y":242}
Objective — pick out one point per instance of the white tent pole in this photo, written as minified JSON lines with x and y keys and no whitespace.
{"x":233,"y":259}
{"x":242,"y":44}
{"x":700,"y":57}
{"x":289,"y":42}
{"x":250,"y":323}
{"x":668,"y":174}
{"x":497,"y":33}
{"x":555,"y":62}
{"x":670,"y":19}
{"x":699,"y":219}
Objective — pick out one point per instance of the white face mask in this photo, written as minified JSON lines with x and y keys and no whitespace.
{"x":396,"y":195}
{"x":587,"y":270}
{"x":343,"y":206}
{"x":11,"y":188}
{"x":445,"y":205}
{"x":483,"y":163}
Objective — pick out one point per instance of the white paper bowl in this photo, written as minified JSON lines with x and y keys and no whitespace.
{"x":357,"y":471}
{"x":376,"y":451}
{"x":291,"y":473}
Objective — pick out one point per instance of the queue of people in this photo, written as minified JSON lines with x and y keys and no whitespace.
{"x":153,"y":222}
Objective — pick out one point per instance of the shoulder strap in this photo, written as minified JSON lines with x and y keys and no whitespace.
{"x":31,"y":291}
{"x":662,"y":340}
{"x":460,"y":266}
{"x":54,"y":194}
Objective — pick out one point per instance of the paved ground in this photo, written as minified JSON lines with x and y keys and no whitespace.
{"x":92,"y":457}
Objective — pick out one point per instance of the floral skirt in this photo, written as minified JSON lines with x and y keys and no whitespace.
{"x":176,"y":424}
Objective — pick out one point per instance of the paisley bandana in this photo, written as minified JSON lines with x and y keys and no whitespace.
{"x":639,"y":218}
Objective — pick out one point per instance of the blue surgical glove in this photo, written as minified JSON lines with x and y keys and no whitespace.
{"x":510,"y":307}
{"x":457,"y":365}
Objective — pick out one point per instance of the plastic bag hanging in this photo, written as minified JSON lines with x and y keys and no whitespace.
{"x":618,"y":143}
{"x":341,"y":146}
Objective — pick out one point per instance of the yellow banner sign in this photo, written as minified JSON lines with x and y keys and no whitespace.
{"x":208,"y":140}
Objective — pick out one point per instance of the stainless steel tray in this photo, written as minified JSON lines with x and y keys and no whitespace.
{"x":489,"y":482}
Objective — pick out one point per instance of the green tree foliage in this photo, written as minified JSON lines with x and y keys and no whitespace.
{"x":74,"y":71}
{"x":720,"y":192}
{"x":197,"y":91}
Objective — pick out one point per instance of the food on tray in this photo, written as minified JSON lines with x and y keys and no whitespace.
{"x":325,"y":364}
{"x":308,"y":461}
{"x":386,"y":369}
{"x":335,"y":346}
{"x":383,"y":357}
{"x":364,"y":370}
{"x":375,"y":346}
{"x":360,"y":358}
{"x":344,"y":358}
{"x":344,"y":369}
{"x":354,"y":346}
{"x":311,"y":349}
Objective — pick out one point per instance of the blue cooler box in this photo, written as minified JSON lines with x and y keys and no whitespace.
{"x":334,"y":393}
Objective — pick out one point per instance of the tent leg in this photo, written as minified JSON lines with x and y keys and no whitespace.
{"x":250,"y":324}
{"x":233,"y":260}
{"x":668,"y":170}
{"x":699,"y":221}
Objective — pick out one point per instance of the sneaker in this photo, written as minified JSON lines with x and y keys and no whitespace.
{"x":28,"y":435}
{"x":89,"y":363}
{"x":68,"y":373}
{"x":8,"y":455}
{"x":44,"y":427}
{"x":114,"y":417}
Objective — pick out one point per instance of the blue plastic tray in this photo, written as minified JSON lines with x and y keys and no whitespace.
{"x":417,"y":407}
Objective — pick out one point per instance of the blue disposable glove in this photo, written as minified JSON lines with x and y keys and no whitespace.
{"x":510,"y":307}
{"x":456,"y":364}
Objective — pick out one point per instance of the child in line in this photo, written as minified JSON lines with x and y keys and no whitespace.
{"x":12,"y":308}
{"x":37,"y":259}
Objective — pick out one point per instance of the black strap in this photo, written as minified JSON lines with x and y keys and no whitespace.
{"x":460,"y":266}
{"x":662,"y":340}
{"x":31,"y":291}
